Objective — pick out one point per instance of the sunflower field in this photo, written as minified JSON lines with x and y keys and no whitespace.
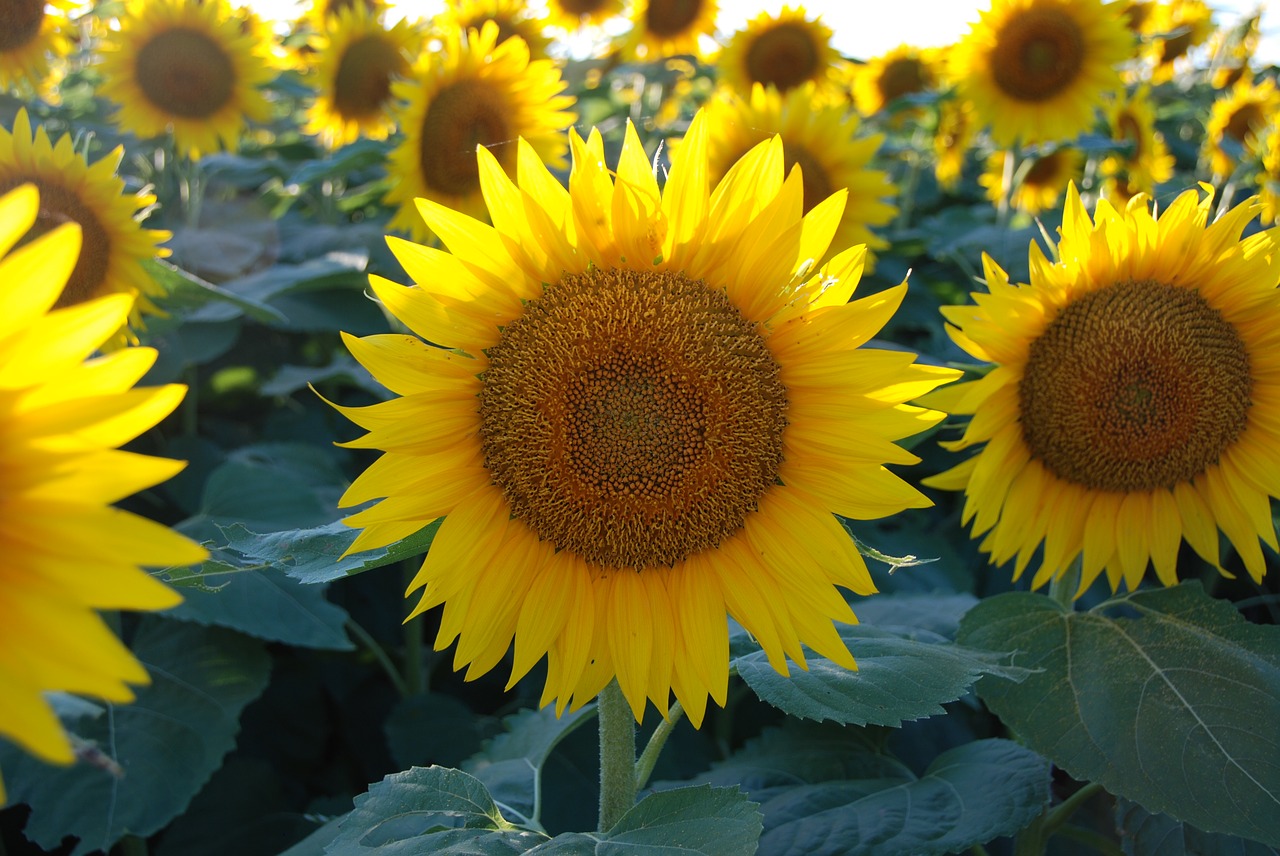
{"x":586,"y":427}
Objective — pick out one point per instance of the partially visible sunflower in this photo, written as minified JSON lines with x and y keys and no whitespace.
{"x":475,"y":93}
{"x":513,"y":18}
{"x":1190,"y":22}
{"x":187,"y":67}
{"x":783,"y":50}
{"x":1236,"y":116}
{"x":821,"y":140}
{"x":114,"y":245}
{"x":904,"y":70}
{"x":1135,"y":399}
{"x":35,"y":39}
{"x":67,"y":551}
{"x":572,"y":15}
{"x":957,"y":126}
{"x":1131,"y":119}
{"x":322,"y":10}
{"x":1231,"y":49}
{"x":666,"y":28}
{"x":1268,"y":177}
{"x":1038,"y":70}
{"x":630,"y":432}
{"x":1136,"y":13}
{"x":1038,"y":183}
{"x":359,"y":58}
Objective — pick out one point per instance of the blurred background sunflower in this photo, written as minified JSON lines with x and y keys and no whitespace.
{"x":35,"y":38}
{"x":783,"y":50}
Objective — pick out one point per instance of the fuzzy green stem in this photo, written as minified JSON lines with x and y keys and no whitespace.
{"x":649,"y":757}
{"x":617,"y":756}
{"x":1065,"y":585}
{"x":379,"y":654}
{"x":1062,"y":812}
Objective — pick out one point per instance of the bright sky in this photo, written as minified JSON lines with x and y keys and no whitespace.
{"x":862,"y":30}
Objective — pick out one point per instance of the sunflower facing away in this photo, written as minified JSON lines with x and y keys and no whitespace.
{"x":35,"y":37}
{"x":1189,"y":21}
{"x":114,"y":245}
{"x":783,"y":50}
{"x":653,"y":403}
{"x":665,"y":28}
{"x":358,"y":59}
{"x":905,"y":70}
{"x":1039,"y":181}
{"x":820,"y":139}
{"x":1135,"y":399}
{"x":67,"y":551}
{"x":1037,"y":70}
{"x":572,"y":15}
{"x":186,"y":67}
{"x":513,"y":17}
{"x":1245,"y":110}
{"x":474,"y":93}
{"x":1132,"y":119}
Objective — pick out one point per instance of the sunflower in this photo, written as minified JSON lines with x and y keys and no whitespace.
{"x":1131,"y":404}
{"x":513,"y":18}
{"x":1132,"y":120}
{"x":35,"y":38}
{"x":321,"y":11}
{"x":1234,"y":120}
{"x":572,"y":15}
{"x":1268,"y":176}
{"x":642,"y":423}
{"x":186,"y":67}
{"x":783,"y":50}
{"x":1037,"y":70}
{"x":67,"y":550}
{"x":358,"y":60}
{"x":1040,"y":179}
{"x":665,"y":28}
{"x":820,"y":140}
{"x":905,"y":70}
{"x":477,"y":93}
{"x":1171,"y":30}
{"x":1231,"y":49}
{"x":957,"y":126}
{"x":114,"y":245}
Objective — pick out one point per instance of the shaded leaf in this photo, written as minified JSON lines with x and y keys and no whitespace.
{"x":702,"y":819}
{"x":1145,"y":834}
{"x":187,"y":292}
{"x":432,"y":729}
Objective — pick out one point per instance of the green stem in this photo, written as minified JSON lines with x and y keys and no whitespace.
{"x":617,"y":756}
{"x":415,"y":669}
{"x":1006,"y":186}
{"x":1094,"y":840}
{"x":132,"y":845}
{"x":649,"y":757}
{"x":978,"y":850}
{"x":1061,"y":813}
{"x":379,"y":654}
{"x":1064,"y":586}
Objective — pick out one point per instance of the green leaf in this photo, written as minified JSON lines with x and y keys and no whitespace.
{"x":1145,"y":834}
{"x":432,"y":729}
{"x":358,"y":155}
{"x":701,"y":819}
{"x":1165,"y":707}
{"x":187,"y":292}
{"x":169,"y":741}
{"x":937,"y":612}
{"x":898,"y":678}
{"x":509,"y":765}
{"x":290,"y":379}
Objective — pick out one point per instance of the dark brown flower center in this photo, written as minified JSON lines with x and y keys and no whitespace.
{"x":632,"y":418}
{"x":1244,"y":121}
{"x":1047,"y":171}
{"x":904,"y":76}
{"x":580,"y":8}
{"x":185,"y":73}
{"x":60,"y":205}
{"x":1039,"y":52}
{"x":784,"y":56}
{"x":363,"y":82}
{"x":1128,"y":128}
{"x":1135,"y":387}
{"x":463,"y":115}
{"x":671,"y":18}
{"x":20,"y":22}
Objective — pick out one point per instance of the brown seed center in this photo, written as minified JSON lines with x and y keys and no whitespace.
{"x":59,"y":205}
{"x":580,"y":8}
{"x":1135,"y":387}
{"x":633,"y":418}
{"x":20,"y":22}
{"x":363,"y":82}
{"x":462,"y":116}
{"x":185,"y":73}
{"x":670,"y":18}
{"x":1038,"y":53}
{"x":904,"y":76}
{"x":784,"y":56}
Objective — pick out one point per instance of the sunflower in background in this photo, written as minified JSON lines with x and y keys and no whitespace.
{"x":1039,"y":181}
{"x":783,"y":50}
{"x":35,"y":39}
{"x":1038,"y":70}
{"x":1231,"y":49}
{"x":952,"y":140}
{"x":1135,"y":396}
{"x":573,"y":15}
{"x":358,"y":60}
{"x":187,"y":67}
{"x":1189,"y":21}
{"x":113,"y":243}
{"x":475,"y":92}
{"x":1234,"y":120}
{"x":904,"y":70}
{"x":512,"y":17}
{"x":67,"y":551}
{"x":658,"y":375}
{"x":321,"y":10}
{"x":666,"y":28}
{"x":1131,"y":119}
{"x":1268,"y":177}
{"x":821,"y":139}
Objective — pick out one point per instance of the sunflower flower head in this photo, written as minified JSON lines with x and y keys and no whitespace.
{"x":68,"y":552}
{"x":1170,"y":31}
{"x":1130,"y":402}
{"x":113,"y":243}
{"x":35,"y":38}
{"x":1131,"y":119}
{"x":1038,"y":70}
{"x":1236,"y":117}
{"x":783,"y":50}
{"x":1039,"y":180}
{"x":904,"y":70}
{"x":512,"y":17}
{"x":957,"y":126}
{"x":627,"y":419}
{"x":573,"y":15}
{"x":667,"y":28}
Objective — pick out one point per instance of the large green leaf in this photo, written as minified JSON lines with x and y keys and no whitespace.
{"x":1145,"y":834}
{"x":899,"y":677}
{"x":1171,"y":703}
{"x":187,"y":292}
{"x":168,"y":742}
{"x":703,"y":820}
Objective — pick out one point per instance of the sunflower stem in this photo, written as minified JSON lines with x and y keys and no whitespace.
{"x":1065,"y":585}
{"x":617,"y":755}
{"x":652,"y":749}
{"x":379,"y":654}
{"x":1006,"y":186}
{"x":1057,"y":817}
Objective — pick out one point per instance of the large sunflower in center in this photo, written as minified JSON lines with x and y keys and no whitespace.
{"x":651,"y":404}
{"x":1037,"y":70}
{"x":1135,"y":399}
